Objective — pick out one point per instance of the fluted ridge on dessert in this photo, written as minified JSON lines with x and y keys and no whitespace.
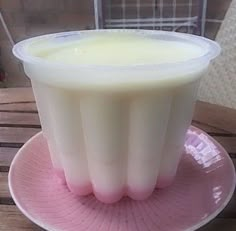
{"x":115,"y":145}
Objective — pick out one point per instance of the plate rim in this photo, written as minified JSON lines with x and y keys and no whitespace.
{"x":192,"y":228}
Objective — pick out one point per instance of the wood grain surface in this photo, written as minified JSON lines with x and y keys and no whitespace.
{"x":19,"y":107}
{"x":8,"y":119}
{"x":13,"y":220}
{"x":19,"y":121}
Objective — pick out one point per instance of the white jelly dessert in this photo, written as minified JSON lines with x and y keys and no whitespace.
{"x":115,"y":105}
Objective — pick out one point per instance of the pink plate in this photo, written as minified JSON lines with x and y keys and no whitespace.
{"x":203,"y":186}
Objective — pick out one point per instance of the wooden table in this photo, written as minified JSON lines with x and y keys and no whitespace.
{"x":19,"y":121}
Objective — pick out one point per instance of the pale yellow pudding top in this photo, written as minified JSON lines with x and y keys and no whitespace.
{"x":116,"y":49}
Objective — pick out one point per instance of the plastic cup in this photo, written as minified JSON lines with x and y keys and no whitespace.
{"x":110,"y":131}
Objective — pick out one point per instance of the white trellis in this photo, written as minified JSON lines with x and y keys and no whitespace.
{"x":192,"y":21}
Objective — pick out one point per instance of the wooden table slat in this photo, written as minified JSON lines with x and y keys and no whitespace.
{"x":13,"y":220}
{"x":16,"y":135}
{"x":19,"y":107}
{"x":209,"y":129}
{"x":6,"y":157}
{"x":16,"y":95}
{"x":4,"y":190}
{"x":216,"y":116}
{"x":219,"y":224}
{"x":229,"y":143}
{"x":8,"y":119}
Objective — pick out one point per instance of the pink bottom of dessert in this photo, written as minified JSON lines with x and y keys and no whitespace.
{"x":112,"y":197}
{"x":80,"y":190}
{"x":109,"y":197}
{"x":139,"y":193}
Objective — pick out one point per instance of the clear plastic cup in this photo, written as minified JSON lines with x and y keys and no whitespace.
{"x":110,"y":131}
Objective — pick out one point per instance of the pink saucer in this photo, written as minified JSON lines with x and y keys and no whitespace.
{"x":203,"y":186}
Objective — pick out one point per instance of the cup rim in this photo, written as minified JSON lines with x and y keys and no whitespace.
{"x":212,"y":49}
